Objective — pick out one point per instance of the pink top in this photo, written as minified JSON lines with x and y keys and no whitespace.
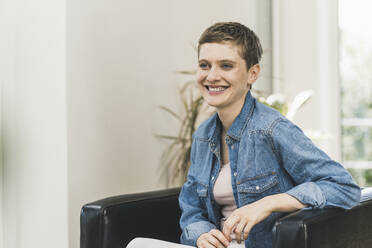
{"x":223,"y":193}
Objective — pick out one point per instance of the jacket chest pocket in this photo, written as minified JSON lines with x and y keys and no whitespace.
{"x":255,"y":188}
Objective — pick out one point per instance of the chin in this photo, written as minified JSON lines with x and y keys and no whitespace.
{"x":213,"y":103}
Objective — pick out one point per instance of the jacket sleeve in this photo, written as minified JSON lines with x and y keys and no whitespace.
{"x":320,"y":181}
{"x":194,"y":218}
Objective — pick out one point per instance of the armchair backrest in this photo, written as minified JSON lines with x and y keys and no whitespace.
{"x":115,"y":221}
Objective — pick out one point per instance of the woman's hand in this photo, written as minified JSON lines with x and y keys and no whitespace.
{"x":212,"y":239}
{"x":243,"y":219}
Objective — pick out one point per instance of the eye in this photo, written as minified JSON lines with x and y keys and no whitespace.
{"x":203,"y":65}
{"x":226,"y":66}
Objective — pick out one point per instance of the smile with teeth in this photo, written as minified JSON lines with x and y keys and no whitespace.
{"x":216,"y":89}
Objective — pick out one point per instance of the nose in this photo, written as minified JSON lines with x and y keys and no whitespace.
{"x":213,"y":75}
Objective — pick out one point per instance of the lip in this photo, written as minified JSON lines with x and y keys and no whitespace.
{"x":213,"y":93}
{"x":216,"y":86}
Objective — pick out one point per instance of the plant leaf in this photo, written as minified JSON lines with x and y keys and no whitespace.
{"x":192,"y":72}
{"x":171,"y":112}
{"x":299,"y":100}
{"x":161,"y":136}
{"x":186,"y":86}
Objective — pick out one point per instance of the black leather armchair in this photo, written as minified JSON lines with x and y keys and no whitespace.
{"x":114,"y":221}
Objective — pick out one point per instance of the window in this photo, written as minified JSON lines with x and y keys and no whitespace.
{"x":355,"y":66}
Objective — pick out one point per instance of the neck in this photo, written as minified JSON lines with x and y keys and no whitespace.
{"x":228,"y":114}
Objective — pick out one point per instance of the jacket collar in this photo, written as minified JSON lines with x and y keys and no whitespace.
{"x":236,"y":129}
{"x":240,"y":123}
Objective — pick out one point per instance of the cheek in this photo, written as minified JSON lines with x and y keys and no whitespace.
{"x":200,"y":76}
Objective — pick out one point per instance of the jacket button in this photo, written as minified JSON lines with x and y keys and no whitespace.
{"x":235,"y":173}
{"x":238,"y":182}
{"x":212,"y":178}
{"x":257,"y":187}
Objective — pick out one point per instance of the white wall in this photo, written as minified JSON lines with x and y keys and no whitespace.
{"x":81,"y":84}
{"x":79,"y":102}
{"x":34,"y":123}
{"x":121,"y":59}
{"x":305,"y":56}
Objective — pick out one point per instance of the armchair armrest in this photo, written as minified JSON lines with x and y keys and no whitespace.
{"x":115,"y":221}
{"x":327,"y":227}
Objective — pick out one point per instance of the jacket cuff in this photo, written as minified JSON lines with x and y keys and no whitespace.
{"x":309,"y":194}
{"x":193,"y":231}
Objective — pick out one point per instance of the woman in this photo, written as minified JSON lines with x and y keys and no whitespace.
{"x":249,"y":164}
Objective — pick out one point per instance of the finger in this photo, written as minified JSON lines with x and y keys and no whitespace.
{"x":214,"y":241}
{"x":247,"y":229}
{"x":239,"y":229}
{"x":202,"y":242}
{"x":205,"y":244}
{"x":229,"y":225}
{"x":219,"y":235}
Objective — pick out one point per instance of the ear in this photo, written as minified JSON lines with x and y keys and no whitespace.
{"x":253,"y":73}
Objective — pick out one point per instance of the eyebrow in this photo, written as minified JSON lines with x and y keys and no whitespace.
{"x":227,"y":60}
{"x":219,"y":61}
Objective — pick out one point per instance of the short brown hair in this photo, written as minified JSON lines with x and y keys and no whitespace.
{"x":242,"y":36}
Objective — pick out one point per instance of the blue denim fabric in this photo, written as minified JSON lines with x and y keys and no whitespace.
{"x":268,"y":155}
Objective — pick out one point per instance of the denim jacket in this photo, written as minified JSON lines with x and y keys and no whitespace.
{"x":268,"y":155}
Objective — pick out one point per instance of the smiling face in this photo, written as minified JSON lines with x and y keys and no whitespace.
{"x":222,"y":75}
